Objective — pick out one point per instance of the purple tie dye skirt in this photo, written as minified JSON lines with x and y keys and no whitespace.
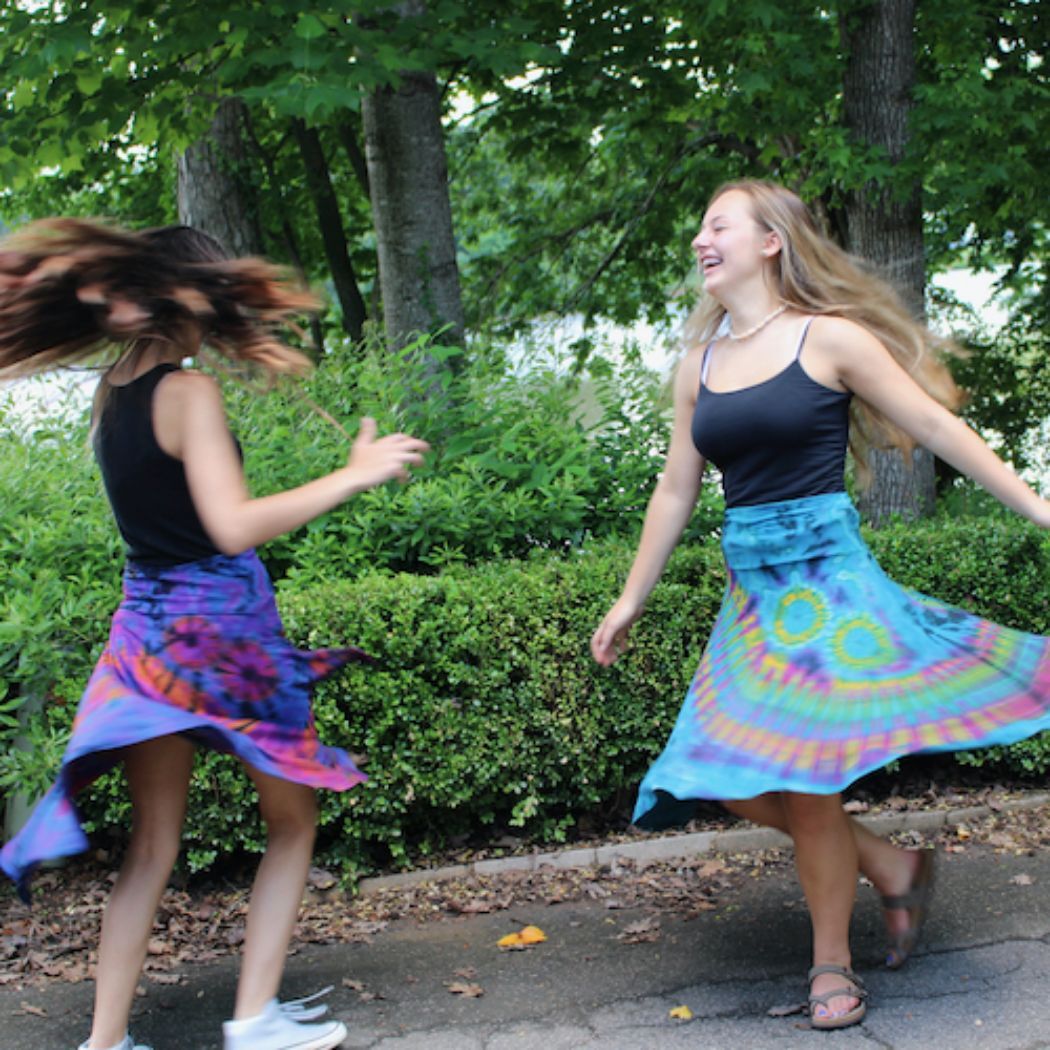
{"x":196,"y":649}
{"x":820,"y":669}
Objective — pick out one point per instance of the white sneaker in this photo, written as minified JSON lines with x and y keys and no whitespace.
{"x":276,"y":1028}
{"x":127,"y":1043}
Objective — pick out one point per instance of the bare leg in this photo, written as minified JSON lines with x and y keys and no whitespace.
{"x":889,"y":868}
{"x":826,"y":859}
{"x":290,"y":812}
{"x":158,"y":775}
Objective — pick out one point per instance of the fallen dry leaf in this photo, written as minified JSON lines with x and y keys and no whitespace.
{"x":36,"y":1011}
{"x":681,"y":1013}
{"x":473,"y":907}
{"x":167,"y":978}
{"x":1000,"y":840}
{"x":710,"y":868}
{"x":466,"y":990}
{"x":319,"y":879}
{"x":642,"y":931}
{"x":1022,"y":880}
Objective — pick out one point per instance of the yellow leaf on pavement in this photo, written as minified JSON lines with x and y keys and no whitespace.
{"x":525,"y":937}
{"x":682,"y":1013}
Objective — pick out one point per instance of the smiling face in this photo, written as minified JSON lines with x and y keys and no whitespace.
{"x":731,"y":246}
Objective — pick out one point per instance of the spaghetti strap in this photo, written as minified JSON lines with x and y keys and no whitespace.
{"x":705,"y":363}
{"x":802,"y":337}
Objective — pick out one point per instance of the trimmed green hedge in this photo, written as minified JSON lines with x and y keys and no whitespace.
{"x":486,"y":711}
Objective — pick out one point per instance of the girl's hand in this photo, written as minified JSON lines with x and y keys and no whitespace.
{"x":375,"y":460}
{"x":610,"y":640}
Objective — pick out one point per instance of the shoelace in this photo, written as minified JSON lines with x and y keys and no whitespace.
{"x":298,"y":1010}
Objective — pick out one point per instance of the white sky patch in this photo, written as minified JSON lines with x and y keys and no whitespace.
{"x":48,"y":399}
{"x":976,"y":290}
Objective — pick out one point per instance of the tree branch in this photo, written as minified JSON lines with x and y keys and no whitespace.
{"x":692,"y":146}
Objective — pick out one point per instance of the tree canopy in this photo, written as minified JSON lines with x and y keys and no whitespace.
{"x":582,"y":137}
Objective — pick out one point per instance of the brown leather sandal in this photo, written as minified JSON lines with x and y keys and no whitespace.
{"x":916,"y":901}
{"x":855,"y":990}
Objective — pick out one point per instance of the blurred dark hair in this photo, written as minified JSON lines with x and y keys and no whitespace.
{"x":185,"y":244}
{"x":70,"y":289}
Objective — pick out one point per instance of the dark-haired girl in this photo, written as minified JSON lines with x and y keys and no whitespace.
{"x":196,"y":654}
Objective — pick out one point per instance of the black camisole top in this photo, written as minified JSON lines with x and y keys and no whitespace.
{"x":783,"y":438}
{"x":146,"y":487}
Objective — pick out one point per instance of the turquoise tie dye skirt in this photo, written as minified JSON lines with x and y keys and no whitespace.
{"x":820,"y":669}
{"x":197,"y":649}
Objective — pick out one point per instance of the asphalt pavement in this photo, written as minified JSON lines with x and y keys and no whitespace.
{"x":980,"y":981}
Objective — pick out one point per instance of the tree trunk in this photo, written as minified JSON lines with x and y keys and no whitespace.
{"x":319,"y":182}
{"x":408,"y":177}
{"x":905,"y":489}
{"x":348,"y":137}
{"x":216,"y":193}
{"x":883,"y":223}
{"x":288,"y":236}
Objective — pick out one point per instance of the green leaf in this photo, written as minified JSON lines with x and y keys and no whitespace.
{"x":89,"y":81}
{"x":309,"y":27}
{"x":23,"y":95}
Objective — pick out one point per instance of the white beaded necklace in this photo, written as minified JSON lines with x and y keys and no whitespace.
{"x":734,"y":338}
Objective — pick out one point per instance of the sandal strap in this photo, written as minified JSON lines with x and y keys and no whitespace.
{"x":854,"y":990}
{"x":845,"y":992}
{"x":919,"y":891}
{"x":911,"y":899}
{"x":839,"y":971}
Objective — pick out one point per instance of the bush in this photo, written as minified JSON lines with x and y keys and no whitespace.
{"x":59,"y":583}
{"x":521,"y":460}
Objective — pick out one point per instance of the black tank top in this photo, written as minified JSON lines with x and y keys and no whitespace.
{"x":146,"y":487}
{"x":784,"y":438}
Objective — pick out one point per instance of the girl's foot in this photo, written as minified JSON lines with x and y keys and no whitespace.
{"x":836,"y":997}
{"x":276,"y":1029}
{"x":905,"y":904}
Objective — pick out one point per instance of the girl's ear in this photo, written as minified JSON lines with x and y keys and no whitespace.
{"x":771,"y":244}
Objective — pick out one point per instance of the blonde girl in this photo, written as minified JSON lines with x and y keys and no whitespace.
{"x":819,"y":668}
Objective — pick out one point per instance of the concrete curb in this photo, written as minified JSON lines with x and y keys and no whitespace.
{"x":671,"y":847}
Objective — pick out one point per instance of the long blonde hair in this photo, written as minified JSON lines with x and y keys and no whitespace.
{"x":815,"y":276}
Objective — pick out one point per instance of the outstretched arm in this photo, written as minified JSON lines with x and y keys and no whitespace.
{"x":190,"y":424}
{"x":867,"y":368}
{"x":668,"y":514}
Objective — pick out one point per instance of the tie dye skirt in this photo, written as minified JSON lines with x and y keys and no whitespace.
{"x":820,"y":669}
{"x":196,"y":649}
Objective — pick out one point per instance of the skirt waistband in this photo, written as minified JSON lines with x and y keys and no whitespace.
{"x":791,"y":530}
{"x":221,"y":585}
